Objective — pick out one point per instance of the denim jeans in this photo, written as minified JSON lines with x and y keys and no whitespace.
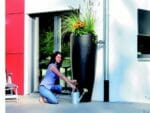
{"x":48,"y":94}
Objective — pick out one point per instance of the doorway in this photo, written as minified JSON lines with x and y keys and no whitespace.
{"x":44,"y":27}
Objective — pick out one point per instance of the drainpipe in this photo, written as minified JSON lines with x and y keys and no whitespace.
{"x":106,"y":48}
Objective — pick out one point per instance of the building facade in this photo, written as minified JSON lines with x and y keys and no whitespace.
{"x":117,"y":61}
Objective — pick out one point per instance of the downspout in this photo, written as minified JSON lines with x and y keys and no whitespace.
{"x":106,"y":48}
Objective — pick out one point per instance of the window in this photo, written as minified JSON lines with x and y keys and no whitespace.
{"x":143,"y":34}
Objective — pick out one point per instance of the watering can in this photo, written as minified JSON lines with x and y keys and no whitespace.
{"x":76,"y":96}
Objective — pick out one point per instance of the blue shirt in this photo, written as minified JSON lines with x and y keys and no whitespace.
{"x":50,"y":77}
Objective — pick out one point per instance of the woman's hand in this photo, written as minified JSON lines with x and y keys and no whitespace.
{"x":72,"y":86}
{"x":73,"y":82}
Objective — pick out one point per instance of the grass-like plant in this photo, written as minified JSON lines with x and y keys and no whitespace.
{"x":79,"y":26}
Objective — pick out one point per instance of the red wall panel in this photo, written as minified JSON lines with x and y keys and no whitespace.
{"x":15,"y":41}
{"x":14,"y":33}
{"x":14,"y":6}
{"x":15,"y":65}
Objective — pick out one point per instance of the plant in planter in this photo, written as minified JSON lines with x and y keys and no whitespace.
{"x":79,"y":26}
{"x":83,"y":49}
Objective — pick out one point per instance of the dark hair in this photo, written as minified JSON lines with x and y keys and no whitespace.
{"x":52,"y":60}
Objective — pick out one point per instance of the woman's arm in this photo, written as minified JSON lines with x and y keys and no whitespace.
{"x":68,"y":81}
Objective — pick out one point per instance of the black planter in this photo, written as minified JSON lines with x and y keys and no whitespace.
{"x":83,"y":52}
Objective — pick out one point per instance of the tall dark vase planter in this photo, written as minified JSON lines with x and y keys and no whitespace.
{"x":83,"y":52}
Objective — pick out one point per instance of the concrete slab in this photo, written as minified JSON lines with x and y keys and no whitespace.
{"x":30,"y":104}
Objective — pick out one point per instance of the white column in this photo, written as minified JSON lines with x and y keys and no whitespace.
{"x":36,"y":54}
{"x":27,"y":54}
{"x":31,"y":70}
{"x":2,"y":56}
{"x":57,"y":33}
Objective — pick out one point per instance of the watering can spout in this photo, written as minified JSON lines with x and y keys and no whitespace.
{"x":84,"y":91}
{"x":75,"y":96}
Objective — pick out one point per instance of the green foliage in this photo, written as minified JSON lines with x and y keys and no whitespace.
{"x":79,"y":26}
{"x":90,"y":23}
{"x":46,"y":44}
{"x":66,"y":49}
{"x":69,"y":21}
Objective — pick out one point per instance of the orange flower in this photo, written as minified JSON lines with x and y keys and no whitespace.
{"x":75,"y":26}
{"x":79,"y":24}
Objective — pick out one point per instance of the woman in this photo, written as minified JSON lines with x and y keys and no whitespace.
{"x":48,"y":84}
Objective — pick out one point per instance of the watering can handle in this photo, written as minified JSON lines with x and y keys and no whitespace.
{"x":75,"y":90}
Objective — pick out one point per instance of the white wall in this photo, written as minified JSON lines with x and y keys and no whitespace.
{"x":97,"y":11}
{"x":36,"y":6}
{"x":27,"y":55}
{"x":2,"y":56}
{"x":39,"y":6}
{"x":129,"y":78}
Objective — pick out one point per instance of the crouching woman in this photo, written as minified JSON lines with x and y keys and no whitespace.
{"x":48,"y":84}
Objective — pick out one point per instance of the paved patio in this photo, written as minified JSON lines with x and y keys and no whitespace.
{"x":30,"y":104}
